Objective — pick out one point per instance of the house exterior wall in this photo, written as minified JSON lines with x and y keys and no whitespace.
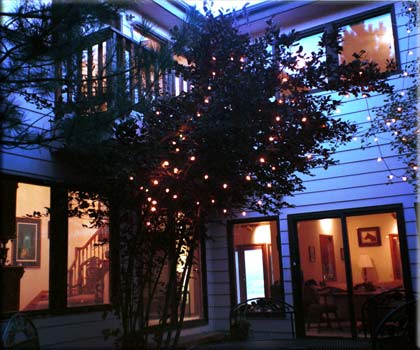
{"x":358,"y":180}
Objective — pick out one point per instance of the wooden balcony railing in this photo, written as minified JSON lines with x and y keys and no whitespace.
{"x":111,"y":66}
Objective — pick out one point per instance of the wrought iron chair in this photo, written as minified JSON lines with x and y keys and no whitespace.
{"x":259,"y":308}
{"x":397,"y":330}
{"x":19,"y":333}
{"x":376,"y":307}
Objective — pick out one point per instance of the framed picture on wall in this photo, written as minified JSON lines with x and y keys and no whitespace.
{"x":27,"y":244}
{"x":369,"y":237}
{"x":311,"y":253}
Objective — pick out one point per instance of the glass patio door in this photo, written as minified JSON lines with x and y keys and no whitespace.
{"x":324,"y":280}
{"x":343,"y":261}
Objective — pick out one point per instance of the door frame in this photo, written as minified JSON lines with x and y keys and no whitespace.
{"x":231,"y":251}
{"x":242,"y":271}
{"x":297,"y":282}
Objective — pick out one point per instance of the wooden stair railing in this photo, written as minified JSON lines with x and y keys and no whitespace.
{"x":95,"y":247}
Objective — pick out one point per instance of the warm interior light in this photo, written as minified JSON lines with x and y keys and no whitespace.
{"x":262,"y":234}
{"x":326,"y":226}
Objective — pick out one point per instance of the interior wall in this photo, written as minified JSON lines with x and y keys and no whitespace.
{"x":380,"y":255}
{"x":309,"y":231}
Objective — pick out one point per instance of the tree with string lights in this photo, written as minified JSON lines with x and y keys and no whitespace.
{"x":236,"y":141}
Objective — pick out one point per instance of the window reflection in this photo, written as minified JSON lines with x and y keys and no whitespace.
{"x":374,"y":36}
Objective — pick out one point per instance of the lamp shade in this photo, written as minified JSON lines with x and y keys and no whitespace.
{"x":365,"y":261}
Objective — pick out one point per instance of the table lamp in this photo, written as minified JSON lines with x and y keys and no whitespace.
{"x":365,"y":262}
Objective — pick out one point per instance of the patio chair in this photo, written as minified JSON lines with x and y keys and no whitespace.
{"x":397,"y":330}
{"x":376,"y":307}
{"x":19,"y":333}
{"x":315,"y":310}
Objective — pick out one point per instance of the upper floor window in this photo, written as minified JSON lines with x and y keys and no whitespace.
{"x":374,"y":36}
{"x":309,"y":44}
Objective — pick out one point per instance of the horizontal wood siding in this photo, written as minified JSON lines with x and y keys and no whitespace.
{"x":358,"y":180}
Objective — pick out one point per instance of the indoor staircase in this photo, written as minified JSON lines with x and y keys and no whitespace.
{"x":39,"y":302}
{"x":85,"y":279}
{"x":85,"y":276}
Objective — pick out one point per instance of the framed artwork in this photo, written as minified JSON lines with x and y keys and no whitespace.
{"x":27,"y":244}
{"x":369,"y":237}
{"x":311,"y":253}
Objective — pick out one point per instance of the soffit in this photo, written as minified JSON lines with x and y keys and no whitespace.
{"x":298,"y":14}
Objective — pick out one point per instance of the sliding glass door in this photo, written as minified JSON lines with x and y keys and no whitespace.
{"x":343,"y":260}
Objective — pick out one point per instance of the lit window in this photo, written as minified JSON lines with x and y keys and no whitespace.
{"x":194,"y":303}
{"x":28,"y":254}
{"x":374,"y":36}
{"x":257,"y":262}
{"x":87,"y":263}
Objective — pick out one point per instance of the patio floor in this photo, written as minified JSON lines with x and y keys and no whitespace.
{"x":284,"y":344}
